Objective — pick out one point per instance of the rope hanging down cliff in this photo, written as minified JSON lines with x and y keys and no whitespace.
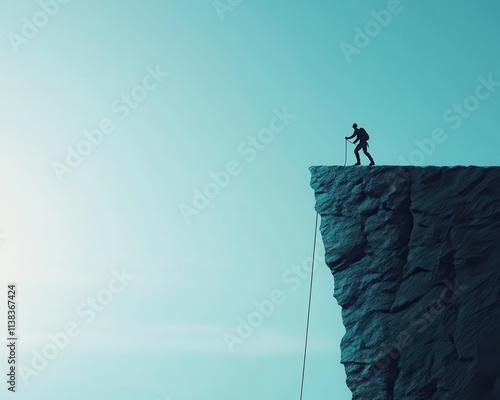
{"x":309,"y":306}
{"x":345,"y":157}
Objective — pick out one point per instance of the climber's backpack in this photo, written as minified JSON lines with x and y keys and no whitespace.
{"x":363,"y":135}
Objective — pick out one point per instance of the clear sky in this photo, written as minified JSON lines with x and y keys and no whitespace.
{"x":155,"y":187}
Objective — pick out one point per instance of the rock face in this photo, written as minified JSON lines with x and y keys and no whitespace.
{"x":415,"y":254}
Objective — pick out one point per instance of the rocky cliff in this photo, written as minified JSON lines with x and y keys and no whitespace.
{"x":415,"y":255}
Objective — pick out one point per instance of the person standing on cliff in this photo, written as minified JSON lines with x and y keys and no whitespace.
{"x":361,"y":137}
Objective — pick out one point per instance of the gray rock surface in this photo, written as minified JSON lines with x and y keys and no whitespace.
{"x":415,"y":255}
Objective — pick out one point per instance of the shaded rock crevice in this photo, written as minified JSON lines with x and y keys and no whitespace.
{"x":415,"y":257}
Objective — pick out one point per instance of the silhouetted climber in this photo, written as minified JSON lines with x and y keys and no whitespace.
{"x":362,"y":137}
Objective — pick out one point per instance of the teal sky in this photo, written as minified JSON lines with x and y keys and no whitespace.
{"x":433,"y":68}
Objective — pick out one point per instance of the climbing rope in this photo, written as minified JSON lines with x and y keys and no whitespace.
{"x":310,"y":291}
{"x":309,"y":307}
{"x":345,"y":157}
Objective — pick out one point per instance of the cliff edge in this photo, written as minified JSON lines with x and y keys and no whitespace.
{"x":415,"y":255}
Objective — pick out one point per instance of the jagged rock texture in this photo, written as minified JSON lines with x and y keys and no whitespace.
{"x":415,"y":254}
